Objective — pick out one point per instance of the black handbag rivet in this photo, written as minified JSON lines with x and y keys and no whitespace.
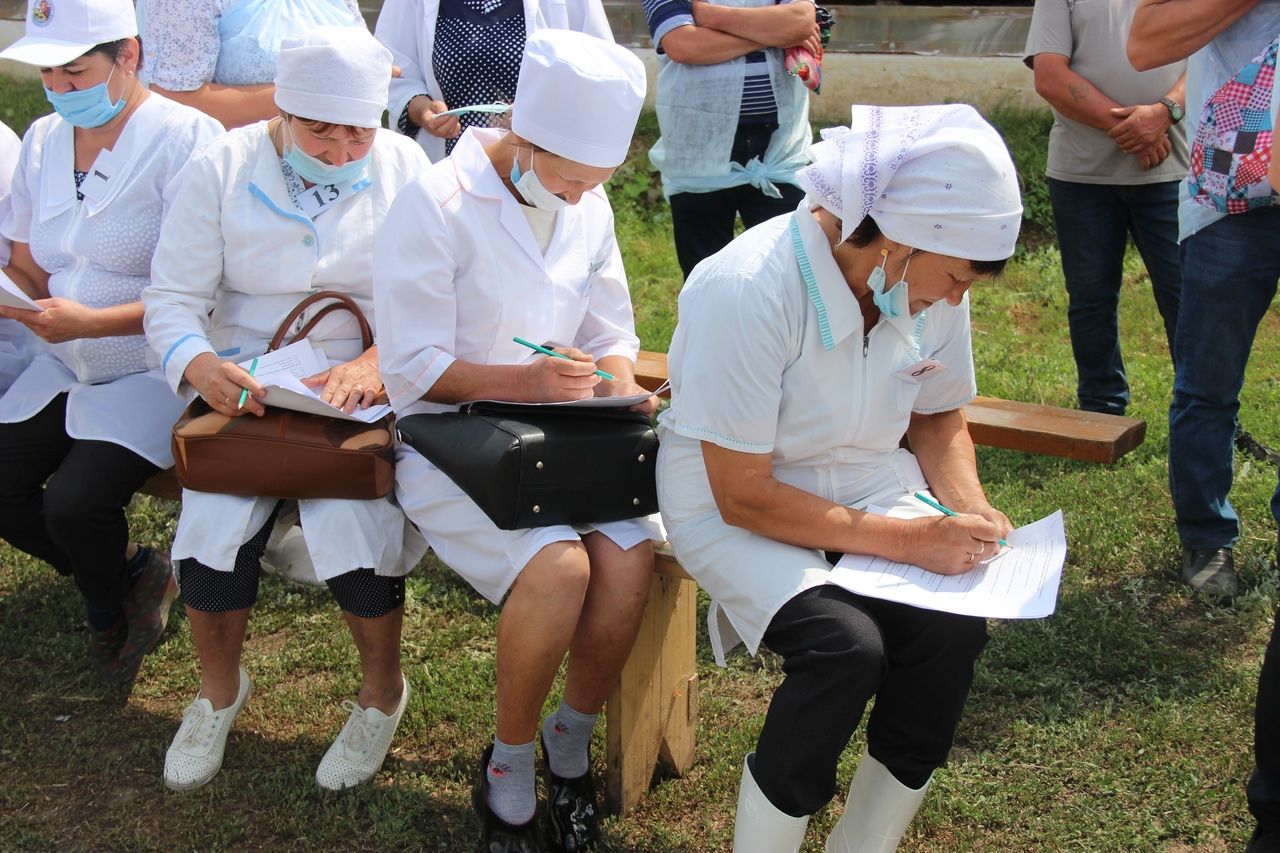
{"x":635,"y":502}
{"x":640,"y":458}
{"x":538,"y":465}
{"x":537,"y":508}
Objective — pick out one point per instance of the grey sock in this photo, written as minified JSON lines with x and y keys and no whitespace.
{"x":567,"y":733}
{"x":512,"y":792}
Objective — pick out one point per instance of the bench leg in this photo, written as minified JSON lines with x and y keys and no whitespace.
{"x":652,"y":714}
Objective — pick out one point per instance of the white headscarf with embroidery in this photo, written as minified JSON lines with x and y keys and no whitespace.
{"x":936,"y":178}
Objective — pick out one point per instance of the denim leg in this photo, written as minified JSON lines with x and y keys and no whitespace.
{"x":1153,"y":222}
{"x":1092,"y":226}
{"x":1229,"y":271}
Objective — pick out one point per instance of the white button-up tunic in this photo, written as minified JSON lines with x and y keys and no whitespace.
{"x":458,"y":273}
{"x":98,"y":252}
{"x":17,"y":344}
{"x":236,"y":255}
{"x":764,"y":362}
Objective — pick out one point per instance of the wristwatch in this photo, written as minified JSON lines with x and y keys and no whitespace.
{"x":1176,"y":112}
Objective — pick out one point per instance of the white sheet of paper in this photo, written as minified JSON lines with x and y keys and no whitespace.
{"x":281,"y":373}
{"x":1020,"y":583}
{"x":12,"y":296}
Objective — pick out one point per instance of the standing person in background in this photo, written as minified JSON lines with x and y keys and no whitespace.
{"x":219,"y":56}
{"x":460,"y":53}
{"x":1116,"y":154}
{"x":17,"y":344}
{"x":88,"y":421}
{"x":734,"y":123}
{"x":1230,"y":266}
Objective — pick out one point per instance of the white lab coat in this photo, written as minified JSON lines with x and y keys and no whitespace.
{"x":17,"y":344}
{"x":408,"y":28}
{"x":764,"y":362}
{"x":236,"y":255}
{"x":458,"y":274}
{"x":98,"y":252}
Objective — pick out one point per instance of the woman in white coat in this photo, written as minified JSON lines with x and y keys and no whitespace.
{"x":512,"y":236}
{"x":245,"y":239}
{"x":460,"y":53}
{"x":17,"y":343}
{"x":219,"y":56}
{"x":806,"y":349}
{"x":87,"y":422}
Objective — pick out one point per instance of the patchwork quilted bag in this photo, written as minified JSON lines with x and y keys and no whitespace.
{"x":1232,"y":146}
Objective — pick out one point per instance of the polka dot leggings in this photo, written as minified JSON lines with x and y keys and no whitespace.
{"x":360,"y":592}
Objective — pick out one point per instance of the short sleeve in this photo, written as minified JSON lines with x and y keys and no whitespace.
{"x":663,"y":16}
{"x":180,"y":43}
{"x":947,"y":339}
{"x":16,"y":226}
{"x":1050,"y":30}
{"x":730,"y":350}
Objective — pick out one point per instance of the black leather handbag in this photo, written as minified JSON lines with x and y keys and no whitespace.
{"x":535,"y":466}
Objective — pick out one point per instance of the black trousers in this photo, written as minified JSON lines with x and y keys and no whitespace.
{"x":360,"y":592}
{"x":839,"y":650}
{"x":1263,"y":790}
{"x":703,"y":222}
{"x":75,"y":521}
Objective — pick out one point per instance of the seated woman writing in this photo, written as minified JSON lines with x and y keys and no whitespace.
{"x":87,"y":422}
{"x":245,"y":239}
{"x":512,"y":236}
{"x":796,"y":369}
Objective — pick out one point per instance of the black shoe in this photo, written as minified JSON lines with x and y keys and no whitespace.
{"x":1211,"y":571}
{"x":573,"y":813}
{"x":500,"y":836}
{"x":1263,"y":842}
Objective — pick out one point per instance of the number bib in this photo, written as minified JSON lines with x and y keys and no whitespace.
{"x":316,"y":200}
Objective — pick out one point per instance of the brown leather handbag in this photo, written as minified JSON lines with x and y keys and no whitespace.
{"x":287,"y":454}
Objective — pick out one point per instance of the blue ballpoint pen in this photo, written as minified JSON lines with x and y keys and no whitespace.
{"x":553,"y":353}
{"x":942,"y":509}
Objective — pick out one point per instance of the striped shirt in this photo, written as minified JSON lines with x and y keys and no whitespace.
{"x":758,"y":104}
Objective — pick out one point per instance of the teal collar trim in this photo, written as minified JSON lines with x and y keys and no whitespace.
{"x":811,"y":284}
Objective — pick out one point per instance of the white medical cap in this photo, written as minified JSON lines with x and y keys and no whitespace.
{"x":936,"y":178}
{"x":335,"y":74}
{"x":58,"y":31}
{"x":578,"y":96}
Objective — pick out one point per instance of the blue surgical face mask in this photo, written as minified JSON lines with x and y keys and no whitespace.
{"x":532,"y":190}
{"x":319,"y":172}
{"x":892,"y":302}
{"x":90,"y":107}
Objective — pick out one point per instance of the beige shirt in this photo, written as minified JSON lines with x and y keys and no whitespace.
{"x":1092,"y":34}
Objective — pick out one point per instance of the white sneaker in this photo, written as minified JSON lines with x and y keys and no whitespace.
{"x":361,"y":746}
{"x":195,"y":755}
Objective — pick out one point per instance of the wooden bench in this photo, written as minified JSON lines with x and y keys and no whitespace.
{"x":651,"y":716}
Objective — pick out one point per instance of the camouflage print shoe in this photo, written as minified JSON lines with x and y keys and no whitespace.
{"x":104,"y":651}
{"x":146,"y":609}
{"x":573,"y":815}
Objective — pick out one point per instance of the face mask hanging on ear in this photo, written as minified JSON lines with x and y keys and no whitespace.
{"x":86,"y":108}
{"x":532,"y":190}
{"x":892,"y":302}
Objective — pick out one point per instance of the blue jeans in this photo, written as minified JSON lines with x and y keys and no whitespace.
{"x":1231,"y":269}
{"x":1094,"y":222}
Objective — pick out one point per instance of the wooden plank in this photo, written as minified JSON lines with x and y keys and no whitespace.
{"x":679,"y":679}
{"x":1030,"y":427}
{"x":1088,"y":436}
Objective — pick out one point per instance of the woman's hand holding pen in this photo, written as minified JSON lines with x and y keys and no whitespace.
{"x":220,"y":383}
{"x":555,"y":380}
{"x":950,"y":545}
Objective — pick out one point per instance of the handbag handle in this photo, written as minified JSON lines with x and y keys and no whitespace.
{"x":344,"y":303}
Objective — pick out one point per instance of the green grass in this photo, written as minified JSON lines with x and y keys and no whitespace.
{"x":1124,"y":722}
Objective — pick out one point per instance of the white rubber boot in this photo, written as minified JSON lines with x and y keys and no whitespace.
{"x":878,"y":811}
{"x":760,"y":827}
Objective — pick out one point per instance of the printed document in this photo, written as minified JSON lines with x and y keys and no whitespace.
{"x":12,"y":296}
{"x":1019,"y":583}
{"x":281,"y":372}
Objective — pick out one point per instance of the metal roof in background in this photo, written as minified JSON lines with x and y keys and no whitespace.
{"x":919,"y":30}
